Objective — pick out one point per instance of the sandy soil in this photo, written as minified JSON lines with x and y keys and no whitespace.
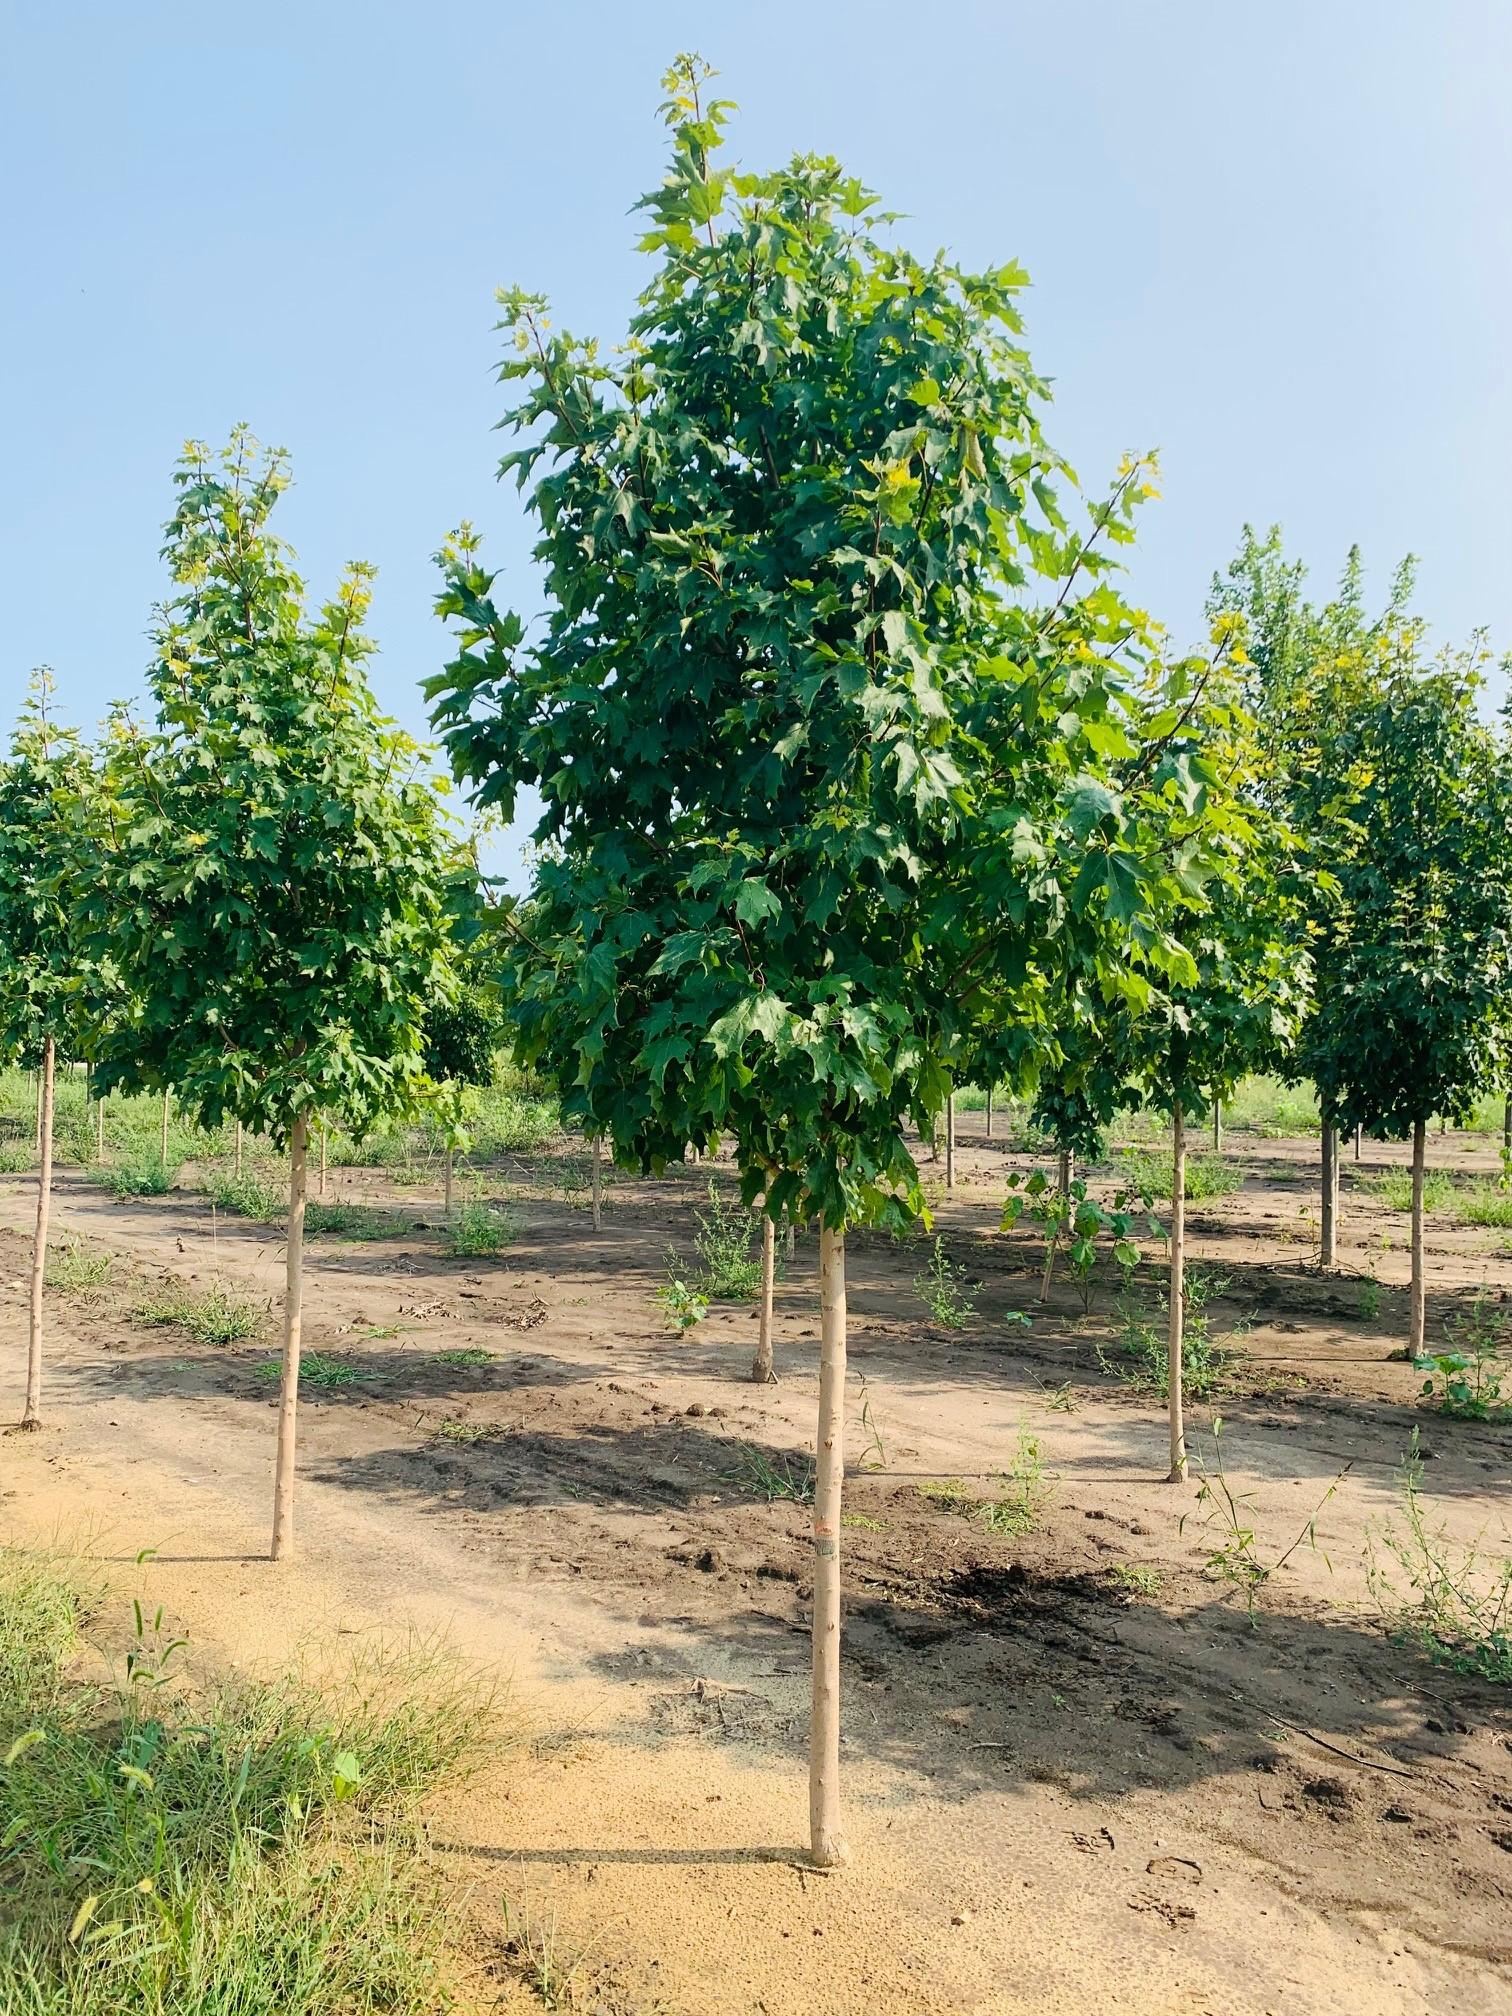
{"x":1064,"y":1794}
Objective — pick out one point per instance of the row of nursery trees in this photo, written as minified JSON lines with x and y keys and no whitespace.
{"x":861,"y":777}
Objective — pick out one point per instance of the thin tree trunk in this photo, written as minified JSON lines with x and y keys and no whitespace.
{"x":1178,"y":1471}
{"x":100,"y":1129}
{"x":1507,"y":1126}
{"x":238,"y":1148}
{"x":1329,"y":1216}
{"x":446,"y":1183}
{"x":1218,"y":1125}
{"x":950,"y":1140}
{"x":989,"y":1112}
{"x":1419,"y":1158}
{"x":37,"y":1131}
{"x":323,"y":1133}
{"x":598,"y":1183}
{"x":288,"y":1392}
{"x":789,"y":1242}
{"x":1359,"y":1131}
{"x":163,"y":1133}
{"x":761,"y":1366}
{"x":827,"y":1846}
{"x":32,"y":1417}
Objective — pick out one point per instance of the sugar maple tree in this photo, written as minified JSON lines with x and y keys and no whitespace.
{"x":273,"y":877}
{"x":825,"y":713}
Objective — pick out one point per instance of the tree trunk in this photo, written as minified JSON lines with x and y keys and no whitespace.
{"x":288,"y":1392}
{"x":827,"y":1846}
{"x":238,"y":1148}
{"x":323,"y":1133}
{"x":989,"y":1112}
{"x":1358,"y":1132}
{"x":1419,"y":1157}
{"x":446,"y":1184}
{"x":163,"y":1133}
{"x":37,"y":1130}
{"x":100,"y":1129}
{"x":1329,"y":1217}
{"x":761,"y":1366}
{"x":1178,"y":1471}
{"x":598,"y":1183}
{"x":32,"y":1417}
{"x":950,"y":1140}
{"x":1507,"y":1126}
{"x":1218,"y":1126}
{"x":789,"y":1242}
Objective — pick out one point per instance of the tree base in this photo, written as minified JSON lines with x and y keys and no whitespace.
{"x":831,"y":1851}
{"x":763,"y":1375}
{"x":32,"y":1425}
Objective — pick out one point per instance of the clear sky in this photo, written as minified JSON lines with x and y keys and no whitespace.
{"x":1274,"y":241}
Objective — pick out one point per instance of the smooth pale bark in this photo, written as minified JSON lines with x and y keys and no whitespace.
{"x":1328,"y":1226}
{"x":323,"y":1161}
{"x":598,"y":1183}
{"x":989,"y":1112}
{"x":446,"y":1184}
{"x":37,"y":1130}
{"x":762,"y":1370}
{"x":288,"y":1392}
{"x":1419,"y":1158}
{"x":32,"y":1417}
{"x":827,"y":1845}
{"x":950,"y":1140}
{"x":1178,"y":1470}
{"x":163,"y":1135}
{"x":1218,"y":1125}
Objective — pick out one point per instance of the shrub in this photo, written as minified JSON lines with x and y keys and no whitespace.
{"x":142,"y":1176}
{"x":1465,"y":1379}
{"x":1452,"y":1600}
{"x":249,"y":1196}
{"x":684,"y":1305}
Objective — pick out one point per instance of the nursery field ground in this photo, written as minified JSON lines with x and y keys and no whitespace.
{"x":1079,"y":1777}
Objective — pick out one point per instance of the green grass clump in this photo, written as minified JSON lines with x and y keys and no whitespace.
{"x":350,"y":1221}
{"x":1485,"y":1204}
{"x":1270,"y":1108}
{"x":76,"y":1269}
{"x":39,"y":1626}
{"x":480,"y":1230}
{"x":249,"y":1196}
{"x":317,"y":1370}
{"x":1025,"y":1490}
{"x":469,"y":1358}
{"x":142,"y":1176}
{"x":216,"y":1316}
{"x":16,"y":1158}
{"x":1394,"y":1188}
{"x":249,"y":1851}
{"x":774,"y":1477}
{"x":1148,"y":1173}
{"x":1141,"y":1355}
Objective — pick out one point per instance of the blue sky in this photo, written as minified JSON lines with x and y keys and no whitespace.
{"x":1274,"y":241}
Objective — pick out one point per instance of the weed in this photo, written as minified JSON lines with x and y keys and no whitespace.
{"x":454,"y":1429}
{"x":862,"y":1524}
{"x":1149,"y":1174}
{"x":942,"y":1288}
{"x":350,"y":1221}
{"x":1141,"y":1353}
{"x":1025,"y":1490}
{"x":1060,"y":1399}
{"x":215,"y":1317}
{"x":1466,"y":1379}
{"x":684,"y":1305}
{"x":1394,"y":1188}
{"x":1485,"y":1204}
{"x":317,"y":1370}
{"x":251,"y":1849}
{"x":1235,"y":1557}
{"x":774,"y":1477}
{"x":1456,"y":1603}
{"x":76,"y":1269}
{"x":1370,"y":1299}
{"x":729,"y":1270}
{"x":249,"y":1196}
{"x":144,"y":1176}
{"x":1135,"y":1579}
{"x":530,"y":1942}
{"x":481,"y":1230}
{"x":469,"y":1358}
{"x":16,"y":1158}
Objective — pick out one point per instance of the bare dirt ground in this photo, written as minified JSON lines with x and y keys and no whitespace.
{"x":1069,"y":1788}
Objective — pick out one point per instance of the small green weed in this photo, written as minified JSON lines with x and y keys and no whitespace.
{"x":1370,"y":1299}
{"x":942,"y":1288}
{"x":1453,"y":1600}
{"x":1235,"y":1557}
{"x":729,"y":1269}
{"x":774,"y":1477}
{"x":1135,"y":1579}
{"x":1485,"y":1204}
{"x":350,"y":1221}
{"x":861,"y":1523}
{"x":683,"y":1304}
{"x":1148,"y":1173}
{"x":1025,"y":1490}
{"x":481,"y":1230}
{"x":1466,"y":1379}
{"x":144,"y":1176}
{"x":249,"y":1196}
{"x":1394,"y":1188}
{"x":454,"y":1429}
{"x":1140,"y":1355}
{"x":76,"y":1269}
{"x":215,"y":1316}
{"x":467,"y":1359}
{"x":317,"y":1370}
